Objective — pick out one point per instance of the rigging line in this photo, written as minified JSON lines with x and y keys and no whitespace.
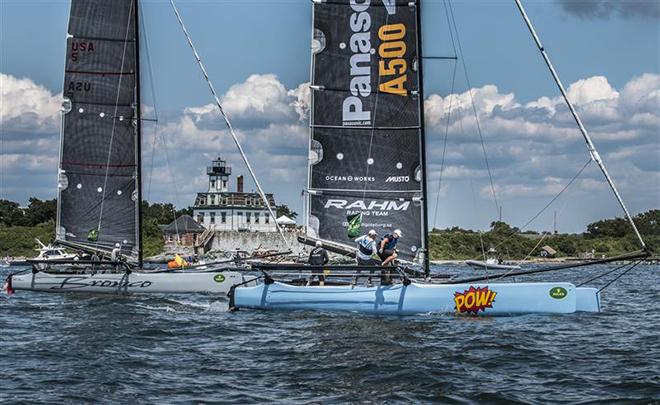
{"x":172,"y":176}
{"x":229,"y":126}
{"x":451,"y":100}
{"x":549,"y":203}
{"x":590,"y":145}
{"x":153,"y":99}
{"x":444,"y":147}
{"x":521,"y":261}
{"x":474,"y":109}
{"x":619,"y":276}
{"x":632,"y":256}
{"x":474,"y":196}
{"x":451,"y":32}
{"x":602,"y":275}
{"x":114,"y":120}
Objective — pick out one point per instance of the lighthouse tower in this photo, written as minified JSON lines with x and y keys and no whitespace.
{"x":219,"y":173}
{"x":223,"y":210}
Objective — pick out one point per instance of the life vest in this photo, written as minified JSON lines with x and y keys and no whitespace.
{"x":317,"y":256}
{"x":365,"y":246}
{"x":391,"y":241}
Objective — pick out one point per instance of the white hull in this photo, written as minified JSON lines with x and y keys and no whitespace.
{"x":478,"y":299}
{"x":134,"y":283}
{"x":494,"y":266}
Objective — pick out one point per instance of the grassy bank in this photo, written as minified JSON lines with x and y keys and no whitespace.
{"x":461,"y":244}
{"x":19,"y":240}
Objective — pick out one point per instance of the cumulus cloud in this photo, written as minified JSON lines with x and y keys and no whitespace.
{"x":533,"y":148}
{"x":29,"y":142}
{"x":269,"y":121}
{"x":26,"y":107}
{"x":257,"y":102}
{"x":647,"y":9}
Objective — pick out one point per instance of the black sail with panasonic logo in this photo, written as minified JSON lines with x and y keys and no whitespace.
{"x":365,"y":122}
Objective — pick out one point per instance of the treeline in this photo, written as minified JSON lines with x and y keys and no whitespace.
{"x":37,"y":212}
{"x":19,"y":226}
{"x":44,"y":211}
{"x":609,"y":237}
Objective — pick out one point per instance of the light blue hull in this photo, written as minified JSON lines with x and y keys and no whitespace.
{"x":480,"y":299}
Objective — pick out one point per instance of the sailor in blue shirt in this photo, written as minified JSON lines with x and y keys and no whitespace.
{"x":386,"y":248}
{"x":367,"y":249}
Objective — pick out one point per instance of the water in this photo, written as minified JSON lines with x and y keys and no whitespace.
{"x":78,"y":348}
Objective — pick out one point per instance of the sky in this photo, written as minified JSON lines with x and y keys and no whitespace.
{"x":257,"y":54}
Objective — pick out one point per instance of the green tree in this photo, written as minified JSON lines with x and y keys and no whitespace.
{"x":648,"y":222}
{"x":40,"y":211}
{"x":616,"y":228}
{"x":11,"y":214}
{"x":285,"y":210}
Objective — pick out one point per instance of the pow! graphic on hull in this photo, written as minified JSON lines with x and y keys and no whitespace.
{"x":474,"y":300}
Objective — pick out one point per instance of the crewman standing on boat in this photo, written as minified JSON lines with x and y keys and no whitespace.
{"x":318,"y":257}
{"x":386,"y":248}
{"x":115,"y":254}
{"x":367,"y":249}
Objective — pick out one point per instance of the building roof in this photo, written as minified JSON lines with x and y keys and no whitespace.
{"x":184,"y":224}
{"x":549,"y":250}
{"x":232,"y":199}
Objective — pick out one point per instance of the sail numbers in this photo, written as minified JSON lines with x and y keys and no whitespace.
{"x":78,"y":47}
{"x":392,"y":50}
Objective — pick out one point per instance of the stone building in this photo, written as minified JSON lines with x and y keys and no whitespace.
{"x":182,"y":232}
{"x":222,"y":210}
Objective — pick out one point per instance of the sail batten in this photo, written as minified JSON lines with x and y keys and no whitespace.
{"x":365,"y":122}
{"x":98,"y":182}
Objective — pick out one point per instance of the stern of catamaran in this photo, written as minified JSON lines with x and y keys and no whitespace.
{"x":587,"y":299}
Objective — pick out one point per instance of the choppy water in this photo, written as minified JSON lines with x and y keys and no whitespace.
{"x":78,"y":348}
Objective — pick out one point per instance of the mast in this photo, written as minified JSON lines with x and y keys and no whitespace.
{"x":590,"y":145}
{"x":138,"y":140}
{"x":420,"y":64}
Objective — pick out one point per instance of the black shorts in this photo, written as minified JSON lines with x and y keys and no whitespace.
{"x":370,"y":262}
{"x":386,"y":253}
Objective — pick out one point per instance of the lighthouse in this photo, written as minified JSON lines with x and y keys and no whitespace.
{"x":220,"y":209}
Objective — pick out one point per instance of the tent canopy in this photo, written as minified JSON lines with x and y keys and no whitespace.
{"x":284,"y":220}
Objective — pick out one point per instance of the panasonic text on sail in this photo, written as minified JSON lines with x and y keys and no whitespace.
{"x":368,"y":205}
{"x":354,"y":111}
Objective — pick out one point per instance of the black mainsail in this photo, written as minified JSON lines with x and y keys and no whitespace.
{"x":366,"y":147}
{"x":99,"y":185}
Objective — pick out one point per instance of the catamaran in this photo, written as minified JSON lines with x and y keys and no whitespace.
{"x":367,"y":166}
{"x":100,"y":176}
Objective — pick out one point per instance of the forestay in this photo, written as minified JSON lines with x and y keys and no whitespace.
{"x":366,"y":138}
{"x":98,"y":182}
